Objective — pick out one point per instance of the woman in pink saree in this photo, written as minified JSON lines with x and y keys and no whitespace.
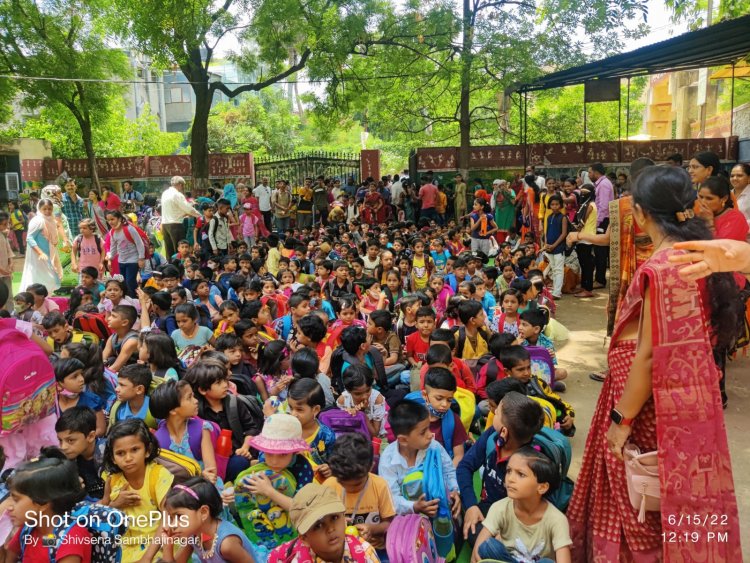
{"x":662,"y":394}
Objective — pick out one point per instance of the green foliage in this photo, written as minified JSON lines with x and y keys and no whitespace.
{"x":113,"y":135}
{"x":262,"y":124}
{"x":695,"y":12}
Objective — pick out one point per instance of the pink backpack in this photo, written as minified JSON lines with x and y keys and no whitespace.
{"x":410,"y":540}
{"x":27,"y":380}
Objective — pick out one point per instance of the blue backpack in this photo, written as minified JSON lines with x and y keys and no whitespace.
{"x":557,"y":448}
{"x":448,"y":422}
{"x":106,"y":526}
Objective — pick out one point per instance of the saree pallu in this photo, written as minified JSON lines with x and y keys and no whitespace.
{"x":629,"y":247}
{"x":683,"y":419}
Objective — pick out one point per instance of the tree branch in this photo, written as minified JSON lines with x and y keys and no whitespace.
{"x":265,"y":83}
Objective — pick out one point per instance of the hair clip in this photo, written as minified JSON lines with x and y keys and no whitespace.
{"x":683,"y":216}
{"x":117,"y":277}
{"x":188,"y":490}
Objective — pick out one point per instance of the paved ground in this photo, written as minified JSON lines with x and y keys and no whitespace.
{"x":586,"y":352}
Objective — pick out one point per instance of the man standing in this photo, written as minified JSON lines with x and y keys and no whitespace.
{"x":605,"y":193}
{"x":72,"y":207}
{"x":428,"y":193}
{"x":304,"y":205}
{"x":397,"y":195}
{"x":281,"y":201}
{"x":459,"y":204}
{"x":263,"y":193}
{"x":129,"y":194}
{"x":174,"y":208}
{"x":320,"y":200}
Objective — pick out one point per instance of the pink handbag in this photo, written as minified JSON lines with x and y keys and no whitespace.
{"x":642,"y":476}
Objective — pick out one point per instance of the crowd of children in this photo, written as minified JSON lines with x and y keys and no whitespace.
{"x":289,"y":401}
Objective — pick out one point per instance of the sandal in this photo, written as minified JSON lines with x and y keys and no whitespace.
{"x":598,"y":376}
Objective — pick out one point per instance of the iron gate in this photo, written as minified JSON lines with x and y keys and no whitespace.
{"x":298,"y":166}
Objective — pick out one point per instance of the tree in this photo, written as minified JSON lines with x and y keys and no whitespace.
{"x":262,"y":124}
{"x":695,"y":12}
{"x":64,"y":39}
{"x":437,"y":72}
{"x":112,"y":134}
{"x":313,"y":34}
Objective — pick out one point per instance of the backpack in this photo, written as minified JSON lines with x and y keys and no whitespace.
{"x":144,"y":238}
{"x":487,"y":360}
{"x":93,"y":323}
{"x":223,"y":284}
{"x":195,"y":435}
{"x":557,"y":448}
{"x":410,"y":540}
{"x":461,"y":342}
{"x":340,"y":356}
{"x":265,"y":523}
{"x":233,"y":415}
{"x":341,"y":422}
{"x":541,"y":364}
{"x":77,"y":244}
{"x":105,"y":524}
{"x":181,"y":466}
{"x":189,"y":355}
{"x":27,"y":380}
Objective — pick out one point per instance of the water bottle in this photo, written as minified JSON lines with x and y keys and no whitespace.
{"x":223,"y":452}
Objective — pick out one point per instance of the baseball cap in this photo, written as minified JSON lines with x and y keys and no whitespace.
{"x":313,"y":502}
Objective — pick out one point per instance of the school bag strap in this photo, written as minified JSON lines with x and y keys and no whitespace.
{"x":233,"y":412}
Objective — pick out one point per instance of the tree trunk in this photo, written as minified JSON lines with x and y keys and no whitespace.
{"x":464,"y":118}
{"x":199,"y":138}
{"x":88,"y":145}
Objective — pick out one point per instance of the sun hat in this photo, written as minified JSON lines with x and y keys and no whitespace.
{"x":281,"y":434}
{"x":313,"y":502}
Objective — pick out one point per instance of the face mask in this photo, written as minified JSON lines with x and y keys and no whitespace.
{"x":19,"y":308}
{"x":66,"y":393}
{"x":436,"y":413}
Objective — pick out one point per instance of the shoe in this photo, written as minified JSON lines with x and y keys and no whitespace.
{"x":600,"y":377}
{"x":584,"y":294}
{"x":599,"y":286}
{"x":559,"y":386}
{"x":556,"y":297}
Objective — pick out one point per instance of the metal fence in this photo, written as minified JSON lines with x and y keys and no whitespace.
{"x":298,"y":166}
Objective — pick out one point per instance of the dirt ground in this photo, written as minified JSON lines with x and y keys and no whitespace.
{"x":585,"y":352}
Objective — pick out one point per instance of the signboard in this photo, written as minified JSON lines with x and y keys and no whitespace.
{"x":370,"y":164}
{"x":224,"y":165}
{"x":437,"y":159}
{"x":602,"y":90}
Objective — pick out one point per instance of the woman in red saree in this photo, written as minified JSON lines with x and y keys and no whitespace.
{"x":374,"y":211}
{"x":663,"y":391}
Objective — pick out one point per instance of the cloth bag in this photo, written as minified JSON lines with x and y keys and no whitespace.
{"x":642,"y":476}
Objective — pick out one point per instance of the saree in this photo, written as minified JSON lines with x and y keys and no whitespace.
{"x":683,"y":420}
{"x":629,"y":247}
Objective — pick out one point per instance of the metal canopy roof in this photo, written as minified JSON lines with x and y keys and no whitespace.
{"x":723,"y":43}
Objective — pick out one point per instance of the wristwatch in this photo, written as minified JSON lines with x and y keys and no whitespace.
{"x":618,"y":418}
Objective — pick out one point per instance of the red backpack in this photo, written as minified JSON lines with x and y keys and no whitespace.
{"x":142,"y":234}
{"x":94,"y":323}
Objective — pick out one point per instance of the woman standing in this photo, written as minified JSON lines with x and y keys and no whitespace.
{"x":459,"y":203}
{"x":127,"y":247}
{"x":702,"y":166}
{"x":585,"y":223}
{"x":503,"y":200}
{"x":110,"y":200}
{"x":657,"y":399}
{"x":740,"y":179}
{"x":717,"y":209}
{"x":42,"y":263}
{"x":95,"y":210}
{"x":373,"y":210}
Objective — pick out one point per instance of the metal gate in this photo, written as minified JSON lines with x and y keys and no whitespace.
{"x":298,"y":166}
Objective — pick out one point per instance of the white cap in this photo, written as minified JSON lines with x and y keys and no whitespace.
{"x":497,"y":182}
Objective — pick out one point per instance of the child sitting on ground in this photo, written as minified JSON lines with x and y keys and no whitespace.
{"x":418,"y":343}
{"x":517,"y":363}
{"x":133,"y":385}
{"x":156,"y":349}
{"x":359,"y":395}
{"x":439,"y":388}
{"x":121,"y":348}
{"x":59,"y":332}
{"x":210,"y":382}
{"x":305,"y":400}
{"x":410,"y":423}
{"x":180,"y":430}
{"x":525,"y":522}
{"x":385,"y":340}
{"x":368,"y":501}
{"x":311,"y":332}
{"x":440,"y":353}
{"x":356,"y":350}
{"x":230,"y":344}
{"x":76,"y":431}
{"x":498,"y":389}
{"x":517,"y":420}
{"x":532,"y":324}
{"x":71,"y":391}
{"x":318,"y":516}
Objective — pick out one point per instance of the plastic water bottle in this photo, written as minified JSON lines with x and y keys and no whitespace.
{"x":223,"y":452}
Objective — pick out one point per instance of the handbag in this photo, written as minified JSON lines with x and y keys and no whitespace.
{"x":642,"y":476}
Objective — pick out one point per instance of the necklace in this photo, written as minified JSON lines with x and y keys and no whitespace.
{"x":211,"y":550}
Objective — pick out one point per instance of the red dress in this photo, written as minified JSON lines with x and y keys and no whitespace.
{"x":683,"y":419}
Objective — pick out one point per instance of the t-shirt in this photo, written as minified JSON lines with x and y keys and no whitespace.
{"x":428,"y":194}
{"x":440,"y":259}
{"x":477,"y":231}
{"x":459,"y":432}
{"x":201,"y":338}
{"x":320,"y":444}
{"x":76,"y":542}
{"x":542,"y":539}
{"x":89,"y":253}
{"x":372,"y":505}
{"x":124,"y":412}
{"x":416,"y":347}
